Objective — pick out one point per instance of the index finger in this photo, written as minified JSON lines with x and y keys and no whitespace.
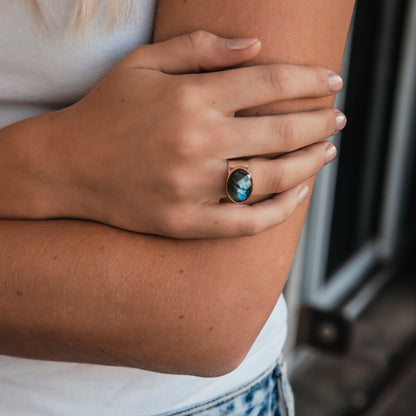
{"x":240,"y":88}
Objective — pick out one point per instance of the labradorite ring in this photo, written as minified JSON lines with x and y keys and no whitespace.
{"x":239,"y":185}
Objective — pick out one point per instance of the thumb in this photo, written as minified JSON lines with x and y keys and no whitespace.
{"x":194,"y":52}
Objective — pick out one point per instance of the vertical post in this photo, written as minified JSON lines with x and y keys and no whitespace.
{"x":402,"y":140}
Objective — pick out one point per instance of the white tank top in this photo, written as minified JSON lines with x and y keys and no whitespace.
{"x":40,"y":72}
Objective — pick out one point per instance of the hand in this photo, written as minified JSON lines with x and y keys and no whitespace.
{"x":147,"y":148}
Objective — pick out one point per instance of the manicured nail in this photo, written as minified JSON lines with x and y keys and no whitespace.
{"x":331,"y":152}
{"x":340,"y":121}
{"x":239,"y":44}
{"x":335,"y":82}
{"x":302,"y":193}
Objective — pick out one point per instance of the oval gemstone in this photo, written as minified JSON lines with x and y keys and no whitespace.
{"x":239,"y":185}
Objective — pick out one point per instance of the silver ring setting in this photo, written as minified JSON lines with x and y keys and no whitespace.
{"x":239,"y":184}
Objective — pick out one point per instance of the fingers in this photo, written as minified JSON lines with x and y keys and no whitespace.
{"x":194,"y":52}
{"x":231,"y":220}
{"x":273,"y":176}
{"x":241,"y":88}
{"x":256,"y":136}
{"x":279,"y":175}
{"x":237,"y":88}
{"x":269,"y":176}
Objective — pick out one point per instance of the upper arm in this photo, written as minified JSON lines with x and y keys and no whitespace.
{"x":300,"y":32}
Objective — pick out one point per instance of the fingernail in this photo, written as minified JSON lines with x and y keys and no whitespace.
{"x":303,"y":193}
{"x":239,"y":44}
{"x":335,"y":82}
{"x":340,"y":121}
{"x":331,"y":152}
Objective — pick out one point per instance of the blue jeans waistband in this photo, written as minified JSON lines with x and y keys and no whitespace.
{"x":269,"y":394}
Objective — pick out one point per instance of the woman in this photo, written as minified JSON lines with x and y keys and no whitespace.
{"x":145,"y":149}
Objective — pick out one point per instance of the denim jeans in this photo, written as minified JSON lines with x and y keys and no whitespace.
{"x":269,"y":394}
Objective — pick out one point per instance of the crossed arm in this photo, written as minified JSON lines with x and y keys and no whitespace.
{"x":85,"y":292}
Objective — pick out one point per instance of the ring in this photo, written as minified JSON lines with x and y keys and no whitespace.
{"x":239,"y":184}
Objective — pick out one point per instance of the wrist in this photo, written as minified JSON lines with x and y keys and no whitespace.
{"x":59,"y":168}
{"x":34,"y":182}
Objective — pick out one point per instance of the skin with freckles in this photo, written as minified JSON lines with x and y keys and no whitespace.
{"x":122,"y":305}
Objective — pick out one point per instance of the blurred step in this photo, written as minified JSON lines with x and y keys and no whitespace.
{"x":378,"y":374}
{"x":399,"y":398}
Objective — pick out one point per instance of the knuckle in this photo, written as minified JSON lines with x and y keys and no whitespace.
{"x":279,"y":78}
{"x":252,"y":227}
{"x":199,"y":38}
{"x":274,"y":81}
{"x":286,"y":133}
{"x":285,"y":212}
{"x":184,"y":96}
{"x":277,"y":181}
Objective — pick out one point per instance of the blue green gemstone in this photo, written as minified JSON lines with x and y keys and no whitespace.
{"x":240,"y":185}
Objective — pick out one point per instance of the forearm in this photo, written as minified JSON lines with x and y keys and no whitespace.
{"x":33,"y":184}
{"x":85,"y":292}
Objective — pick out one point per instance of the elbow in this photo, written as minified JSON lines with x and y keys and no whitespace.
{"x":217,"y":371}
{"x":235,"y":324}
{"x":211,"y":334}
{"x":199,"y":360}
{"x":225,"y":337}
{"x":216,"y":351}
{"x":226,"y":344}
{"x":218,"y":363}
{"x":227,"y":353}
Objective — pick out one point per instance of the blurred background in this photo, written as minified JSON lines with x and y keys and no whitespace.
{"x":352,"y":290}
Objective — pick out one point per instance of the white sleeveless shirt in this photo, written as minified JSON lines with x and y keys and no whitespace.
{"x":41,"y":72}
